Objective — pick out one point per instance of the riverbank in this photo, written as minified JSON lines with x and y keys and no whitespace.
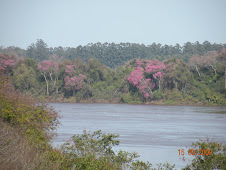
{"x":118,"y":101}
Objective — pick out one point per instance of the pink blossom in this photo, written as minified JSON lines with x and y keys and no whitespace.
{"x":155,"y":66}
{"x":137,"y":77}
{"x":6,"y":61}
{"x":48,"y":66}
{"x":74,"y":82}
{"x":139,"y":62}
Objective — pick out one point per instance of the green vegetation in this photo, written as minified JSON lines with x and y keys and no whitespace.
{"x":25,"y":130}
{"x":113,"y":55}
{"x":193,"y":74}
{"x":25,"y":133}
{"x":94,"y":151}
{"x":217,"y":159}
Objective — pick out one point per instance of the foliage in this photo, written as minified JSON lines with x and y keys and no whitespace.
{"x":6,"y":61}
{"x":86,"y":77}
{"x":25,"y":134}
{"x":166,"y":166}
{"x":113,"y":55}
{"x":217,"y":160}
{"x":39,"y":51}
{"x":157,"y":95}
{"x":18,"y":109}
{"x":25,"y":78}
{"x":73,"y":83}
{"x":50,"y":68}
{"x":177,"y":75}
{"x":146,"y":82}
{"x":94,"y":151}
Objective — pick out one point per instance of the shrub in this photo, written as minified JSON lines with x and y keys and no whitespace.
{"x":20,"y":110}
{"x":157,"y":95}
{"x":217,"y":160}
{"x":174,"y":95}
{"x":94,"y":151}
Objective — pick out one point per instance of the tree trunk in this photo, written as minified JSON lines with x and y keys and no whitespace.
{"x":159,"y":84}
{"x":148,"y":88}
{"x":54,"y":82}
{"x":215,"y":71}
{"x":175,"y":83}
{"x":197,"y":70}
{"x":47,"y":85}
{"x":56,"y":85}
{"x":73,"y":92}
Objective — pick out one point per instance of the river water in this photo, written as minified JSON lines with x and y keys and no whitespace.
{"x":155,"y":132}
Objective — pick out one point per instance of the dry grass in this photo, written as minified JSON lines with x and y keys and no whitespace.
{"x":16,"y":152}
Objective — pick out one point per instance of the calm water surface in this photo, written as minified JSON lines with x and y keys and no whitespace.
{"x":155,"y":132}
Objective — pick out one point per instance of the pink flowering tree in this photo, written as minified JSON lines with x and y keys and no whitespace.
{"x":138,"y":80}
{"x":156,"y":68}
{"x":71,"y":70}
{"x":209,"y":60}
{"x":73,"y":82}
{"x":145,"y":78}
{"x":196,"y":61}
{"x":49,"y":69}
{"x":6,"y":62}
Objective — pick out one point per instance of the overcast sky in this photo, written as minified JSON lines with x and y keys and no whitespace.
{"x":70,"y":23}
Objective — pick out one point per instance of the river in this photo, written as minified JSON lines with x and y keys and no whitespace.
{"x":156,"y":132}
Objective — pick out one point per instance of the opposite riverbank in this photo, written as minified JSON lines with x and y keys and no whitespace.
{"x":119,"y":101}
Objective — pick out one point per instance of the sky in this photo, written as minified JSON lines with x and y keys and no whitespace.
{"x":70,"y":23}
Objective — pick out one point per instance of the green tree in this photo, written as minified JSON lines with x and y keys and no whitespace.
{"x":222,"y":59}
{"x":177,"y":75}
{"x":39,"y":51}
{"x":94,"y":151}
{"x":24,"y":78}
{"x":214,"y":156}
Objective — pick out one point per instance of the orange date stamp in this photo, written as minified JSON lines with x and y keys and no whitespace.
{"x":196,"y":152}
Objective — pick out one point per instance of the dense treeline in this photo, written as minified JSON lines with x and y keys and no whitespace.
{"x":113,"y":55}
{"x":199,"y":79}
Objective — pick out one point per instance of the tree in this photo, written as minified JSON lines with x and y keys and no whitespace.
{"x":50,"y":68}
{"x":6,"y":61}
{"x":73,"y":82}
{"x":24,"y":78}
{"x":207,"y":155}
{"x":137,"y":79}
{"x":177,"y":75}
{"x":222,"y":59}
{"x":210,"y":60}
{"x":39,"y":51}
{"x":144,"y":78}
{"x":156,"y":68}
{"x":196,"y":61}
{"x":94,"y":151}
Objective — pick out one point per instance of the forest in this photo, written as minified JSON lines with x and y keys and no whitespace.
{"x":119,"y":73}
